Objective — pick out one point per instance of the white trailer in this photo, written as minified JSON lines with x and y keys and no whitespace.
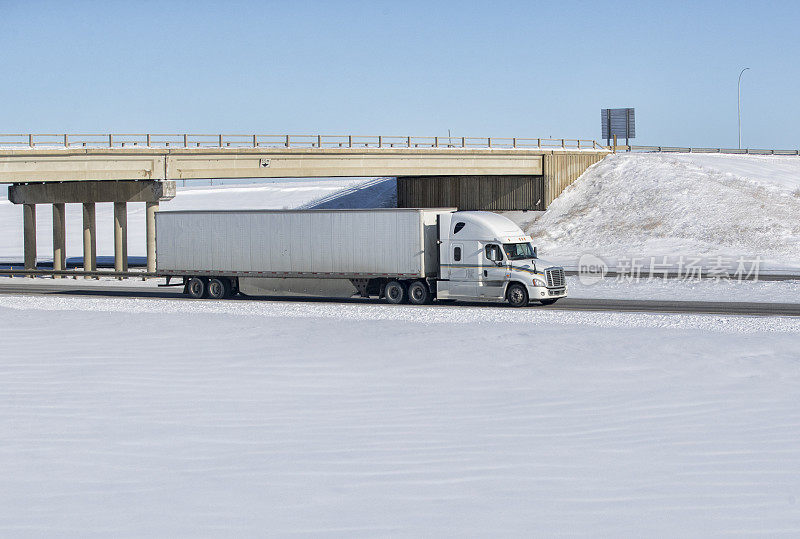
{"x":414,"y":255}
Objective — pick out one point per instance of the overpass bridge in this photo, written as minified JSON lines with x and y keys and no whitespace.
{"x":465,"y":172}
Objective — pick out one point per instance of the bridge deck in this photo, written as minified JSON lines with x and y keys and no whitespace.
{"x":58,"y":158}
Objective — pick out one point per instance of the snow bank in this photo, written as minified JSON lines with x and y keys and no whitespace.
{"x":694,"y":205}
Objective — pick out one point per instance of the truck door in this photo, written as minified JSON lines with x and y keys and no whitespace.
{"x":493,"y":271}
{"x":462,"y":280}
{"x":458,"y":271}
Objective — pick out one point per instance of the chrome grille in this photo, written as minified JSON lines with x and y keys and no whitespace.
{"x":555,"y":277}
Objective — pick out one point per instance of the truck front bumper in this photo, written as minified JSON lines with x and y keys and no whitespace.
{"x":537,"y":293}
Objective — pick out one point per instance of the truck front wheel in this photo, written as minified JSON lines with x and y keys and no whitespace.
{"x":395,"y":292}
{"x":418,"y":293}
{"x":196,"y":288}
{"x":517,"y":295}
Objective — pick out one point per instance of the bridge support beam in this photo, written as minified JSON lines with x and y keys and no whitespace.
{"x":120,"y":236}
{"x":150,"y":232}
{"x":29,"y":235}
{"x":59,"y":238}
{"x":89,"y":237}
{"x":91,"y":191}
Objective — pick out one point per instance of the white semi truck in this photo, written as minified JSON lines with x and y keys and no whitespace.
{"x":402,"y":255}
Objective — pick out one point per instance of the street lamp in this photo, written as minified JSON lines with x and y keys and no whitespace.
{"x":739,"y":105}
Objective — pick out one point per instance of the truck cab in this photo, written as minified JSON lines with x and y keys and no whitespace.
{"x":485,"y":256}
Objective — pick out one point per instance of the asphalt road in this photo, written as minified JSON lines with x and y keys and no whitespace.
{"x":566,"y":304}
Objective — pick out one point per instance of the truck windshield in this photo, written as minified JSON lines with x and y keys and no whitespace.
{"x":518,"y":251}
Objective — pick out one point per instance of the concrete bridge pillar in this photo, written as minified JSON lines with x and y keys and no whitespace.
{"x":89,"y":238}
{"x":59,"y":238}
{"x":150,"y":231}
{"x":29,"y":235}
{"x":120,"y":236}
{"x":120,"y":192}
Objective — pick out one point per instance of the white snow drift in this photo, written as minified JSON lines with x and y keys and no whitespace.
{"x":695,"y":205}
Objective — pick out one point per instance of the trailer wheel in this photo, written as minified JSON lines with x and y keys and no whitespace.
{"x":196,"y":288}
{"x":517,"y":295}
{"x":395,"y":292}
{"x":418,"y":293}
{"x":218,"y":288}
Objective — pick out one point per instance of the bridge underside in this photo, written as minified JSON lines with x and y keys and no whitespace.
{"x":471,"y":192}
{"x":496,"y":192}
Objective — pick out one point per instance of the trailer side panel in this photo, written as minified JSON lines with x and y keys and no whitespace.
{"x":298,"y":243}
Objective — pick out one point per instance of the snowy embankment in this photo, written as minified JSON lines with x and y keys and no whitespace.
{"x":165,"y":418}
{"x":262,"y":194}
{"x":691,"y":205}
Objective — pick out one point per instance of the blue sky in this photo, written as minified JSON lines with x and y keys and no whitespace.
{"x":526,"y":69}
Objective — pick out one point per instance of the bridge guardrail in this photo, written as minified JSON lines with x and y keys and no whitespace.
{"x":687,"y":149}
{"x":161,"y":140}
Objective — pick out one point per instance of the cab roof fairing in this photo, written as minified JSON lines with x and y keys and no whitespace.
{"x":485,"y":225}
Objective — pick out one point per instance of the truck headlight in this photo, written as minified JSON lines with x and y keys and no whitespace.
{"x":538,"y":282}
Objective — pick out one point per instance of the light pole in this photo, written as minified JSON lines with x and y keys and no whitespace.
{"x":739,"y":104}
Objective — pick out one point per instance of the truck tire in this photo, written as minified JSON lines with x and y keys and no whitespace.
{"x":218,"y":288}
{"x":418,"y":293}
{"x":196,"y":288}
{"x":548,"y":301}
{"x":517,"y":295}
{"x":395,"y":292}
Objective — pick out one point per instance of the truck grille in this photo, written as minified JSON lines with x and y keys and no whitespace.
{"x":555,"y":277}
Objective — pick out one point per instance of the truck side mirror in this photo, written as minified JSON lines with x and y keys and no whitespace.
{"x":534,"y":253}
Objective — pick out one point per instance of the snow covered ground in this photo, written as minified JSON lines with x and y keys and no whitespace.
{"x":132,"y":417}
{"x":687,"y":290}
{"x":634,"y":205}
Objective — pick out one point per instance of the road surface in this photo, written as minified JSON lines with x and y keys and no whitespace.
{"x":569,"y":304}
